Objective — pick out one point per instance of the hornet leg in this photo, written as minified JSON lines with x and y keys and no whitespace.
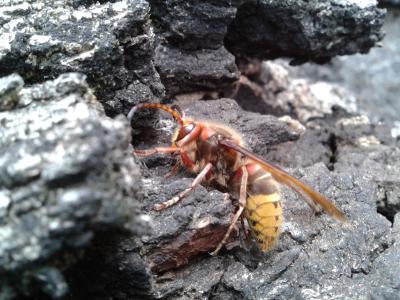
{"x":173,"y":171}
{"x":149,"y":152}
{"x":180,"y":196}
{"x":245,"y":81}
{"x":242,"y":204}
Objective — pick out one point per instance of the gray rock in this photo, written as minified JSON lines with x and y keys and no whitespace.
{"x":275,"y":88}
{"x":375,"y":159}
{"x":9,"y":88}
{"x":195,"y":282}
{"x":178,"y":235}
{"x":372,"y":78}
{"x":348,"y":142}
{"x":194,"y":226}
{"x":396,"y":227}
{"x":187,"y":71}
{"x":192,"y":25}
{"x":111,"y":267}
{"x":306,"y":30}
{"x":197,"y":43}
{"x":66,"y":172}
{"x":302,"y":30}
{"x":111,"y":42}
{"x":190,"y":53}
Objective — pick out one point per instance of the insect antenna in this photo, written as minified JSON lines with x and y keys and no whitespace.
{"x":179,"y":110}
{"x":173,"y":112}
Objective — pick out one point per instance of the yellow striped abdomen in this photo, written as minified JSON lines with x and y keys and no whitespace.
{"x":263,"y":209}
{"x":264,"y":215}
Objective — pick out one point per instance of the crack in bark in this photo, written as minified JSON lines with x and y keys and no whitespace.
{"x":384,"y":207}
{"x":332,"y":145}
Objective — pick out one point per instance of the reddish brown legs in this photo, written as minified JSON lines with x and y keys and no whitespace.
{"x":180,"y":196}
{"x":161,"y":150}
{"x":242,"y":204}
{"x":173,"y":171}
{"x":148,"y":152}
{"x":243,"y":80}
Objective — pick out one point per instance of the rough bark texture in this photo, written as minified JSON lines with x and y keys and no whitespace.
{"x":65,"y":174}
{"x":126,"y":46}
{"x":70,"y":190}
{"x":371,"y":78}
{"x":306,"y":30}
{"x":112,"y":42}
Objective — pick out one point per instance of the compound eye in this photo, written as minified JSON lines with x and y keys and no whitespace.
{"x":185,"y":130}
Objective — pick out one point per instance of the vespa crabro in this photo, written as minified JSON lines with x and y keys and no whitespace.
{"x":217,"y":155}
